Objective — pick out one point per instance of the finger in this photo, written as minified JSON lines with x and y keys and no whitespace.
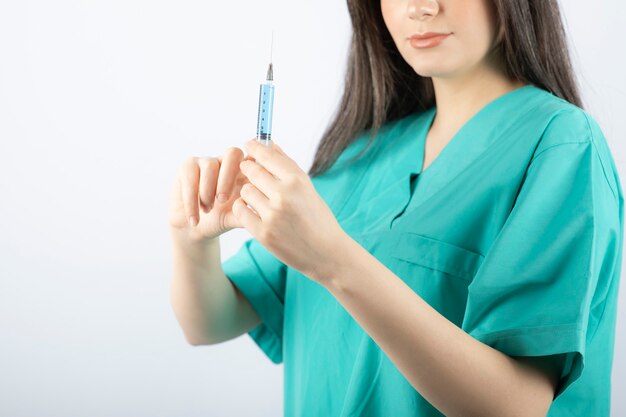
{"x":252,"y":196}
{"x":279,"y":149}
{"x":189,"y":178}
{"x":277,"y":164}
{"x":229,"y":169}
{"x":248,"y":219}
{"x":209,"y":170}
{"x":247,"y":156}
{"x":273,"y":145}
{"x":260,"y":177}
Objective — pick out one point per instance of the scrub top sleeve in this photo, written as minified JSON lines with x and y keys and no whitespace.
{"x":261,"y":277}
{"x":551,"y":263}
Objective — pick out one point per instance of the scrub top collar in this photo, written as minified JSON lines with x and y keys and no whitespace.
{"x":464,"y":148}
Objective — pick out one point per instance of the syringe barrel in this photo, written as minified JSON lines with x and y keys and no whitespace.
{"x":264,"y":118}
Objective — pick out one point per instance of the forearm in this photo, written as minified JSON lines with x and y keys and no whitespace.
{"x":456,"y":373}
{"x":203,"y":299}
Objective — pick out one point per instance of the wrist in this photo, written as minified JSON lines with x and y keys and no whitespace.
{"x":190,"y":246}
{"x":334,"y":273}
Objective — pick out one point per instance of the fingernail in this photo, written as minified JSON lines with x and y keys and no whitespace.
{"x":192,"y":220}
{"x":221,"y":197}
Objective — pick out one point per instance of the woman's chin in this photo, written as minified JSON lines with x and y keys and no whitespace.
{"x":431,"y":71}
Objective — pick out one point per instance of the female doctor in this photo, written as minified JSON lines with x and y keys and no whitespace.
{"x":455,"y":248}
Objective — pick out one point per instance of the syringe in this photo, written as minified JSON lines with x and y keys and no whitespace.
{"x":266,"y":106}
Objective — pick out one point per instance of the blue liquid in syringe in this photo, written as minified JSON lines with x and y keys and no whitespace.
{"x":266,"y":105}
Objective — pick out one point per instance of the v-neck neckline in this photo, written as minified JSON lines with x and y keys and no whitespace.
{"x":430,"y":115}
{"x":470,"y":141}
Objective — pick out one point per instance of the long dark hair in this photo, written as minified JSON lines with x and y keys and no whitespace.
{"x":380,"y":86}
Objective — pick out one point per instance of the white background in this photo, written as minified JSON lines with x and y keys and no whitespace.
{"x":100,"y":102}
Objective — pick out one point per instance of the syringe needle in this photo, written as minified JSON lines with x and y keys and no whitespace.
{"x":272,"y":46}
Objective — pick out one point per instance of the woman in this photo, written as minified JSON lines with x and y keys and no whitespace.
{"x":455,"y":248}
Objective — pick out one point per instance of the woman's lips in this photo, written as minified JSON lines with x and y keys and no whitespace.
{"x":427,"y":40}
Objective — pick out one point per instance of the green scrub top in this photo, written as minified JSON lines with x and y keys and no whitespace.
{"x":514,"y":233}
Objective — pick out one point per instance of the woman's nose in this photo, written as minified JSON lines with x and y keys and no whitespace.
{"x":422,"y":9}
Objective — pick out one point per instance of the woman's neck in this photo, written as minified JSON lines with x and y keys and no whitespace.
{"x":461,"y":97}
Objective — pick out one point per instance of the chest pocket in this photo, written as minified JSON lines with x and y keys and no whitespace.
{"x":437,"y":255}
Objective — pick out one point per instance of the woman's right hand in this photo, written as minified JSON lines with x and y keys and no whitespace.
{"x":196,"y":194}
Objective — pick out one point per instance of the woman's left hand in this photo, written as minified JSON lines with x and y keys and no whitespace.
{"x":288,"y":216}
